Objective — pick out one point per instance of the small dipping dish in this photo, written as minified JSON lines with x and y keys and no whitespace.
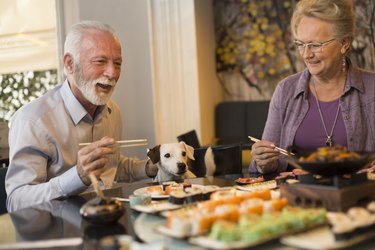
{"x":141,"y":199}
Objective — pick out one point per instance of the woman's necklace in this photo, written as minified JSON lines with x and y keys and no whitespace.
{"x":329,"y":141}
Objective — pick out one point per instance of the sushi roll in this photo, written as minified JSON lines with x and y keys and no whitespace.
{"x":186,"y":185}
{"x":193,"y":195}
{"x":275,"y":205}
{"x":171,"y":187}
{"x":229,"y":196}
{"x":208,"y":190}
{"x":180,"y":223}
{"x":362,"y":219}
{"x":262,"y":194}
{"x":155,"y":190}
{"x":201,"y":221}
{"x":343,"y":231}
{"x":252,"y":206}
{"x":253,"y":234}
{"x":209,"y":205}
{"x":341,"y":225}
{"x":225,"y":231}
{"x":229,"y":212}
{"x":177,"y":197}
{"x":167,"y":184}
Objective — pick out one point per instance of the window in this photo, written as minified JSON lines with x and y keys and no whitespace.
{"x":28,"y":52}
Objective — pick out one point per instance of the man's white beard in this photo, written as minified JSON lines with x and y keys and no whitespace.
{"x":88,"y":88}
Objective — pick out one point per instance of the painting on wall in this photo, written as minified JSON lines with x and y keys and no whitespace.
{"x":254,"y":49}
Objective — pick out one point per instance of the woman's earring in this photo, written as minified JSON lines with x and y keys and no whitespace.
{"x":343,"y":63}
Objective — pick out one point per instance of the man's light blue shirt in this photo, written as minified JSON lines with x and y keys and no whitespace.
{"x":44,"y":141}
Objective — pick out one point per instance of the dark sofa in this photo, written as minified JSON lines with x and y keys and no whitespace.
{"x":235,"y":121}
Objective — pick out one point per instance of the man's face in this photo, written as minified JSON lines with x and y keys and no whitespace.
{"x":99,"y":67}
{"x":88,"y":88}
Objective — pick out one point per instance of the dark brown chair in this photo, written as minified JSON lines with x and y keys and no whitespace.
{"x":190,"y":138}
{"x":227,"y":158}
{"x":3,"y":194}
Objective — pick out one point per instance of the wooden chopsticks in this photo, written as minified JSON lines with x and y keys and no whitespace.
{"x":124,"y":143}
{"x":281,"y":150}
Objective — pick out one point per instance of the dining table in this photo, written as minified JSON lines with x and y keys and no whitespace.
{"x":58,"y":224}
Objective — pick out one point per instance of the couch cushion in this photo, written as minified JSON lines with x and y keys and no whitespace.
{"x":230,"y":122}
{"x":235,"y":121}
{"x":256,"y":116}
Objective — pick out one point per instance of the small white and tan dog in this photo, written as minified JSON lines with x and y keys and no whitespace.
{"x":172,"y":160}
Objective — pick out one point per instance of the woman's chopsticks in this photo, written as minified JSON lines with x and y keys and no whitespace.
{"x":281,"y":150}
{"x":124,"y":143}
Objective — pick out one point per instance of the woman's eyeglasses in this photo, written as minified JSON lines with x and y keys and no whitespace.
{"x":314,"y":46}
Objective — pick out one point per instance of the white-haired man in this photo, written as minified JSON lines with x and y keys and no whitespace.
{"x":46,"y":161}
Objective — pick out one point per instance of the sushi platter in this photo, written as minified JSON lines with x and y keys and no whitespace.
{"x":156,"y":207}
{"x":323,"y":235}
{"x":251,"y":232}
{"x":163,"y":191}
{"x":258,"y":186}
{"x":246,"y":216}
{"x":249,"y":180}
{"x":345,"y":229}
{"x":166,"y":231}
{"x":154,"y":195}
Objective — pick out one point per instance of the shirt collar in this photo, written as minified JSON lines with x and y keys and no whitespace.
{"x":302,"y":84}
{"x":354,"y":81}
{"x":75,"y":109}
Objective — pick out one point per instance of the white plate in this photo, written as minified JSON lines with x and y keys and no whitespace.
{"x":156,"y":207}
{"x":322,"y":238}
{"x":160,"y":196}
{"x":144,"y":227}
{"x":144,"y":191}
{"x":258,"y":186}
{"x":206,"y":242}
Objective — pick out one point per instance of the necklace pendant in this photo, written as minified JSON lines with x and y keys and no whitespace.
{"x":329,"y":141}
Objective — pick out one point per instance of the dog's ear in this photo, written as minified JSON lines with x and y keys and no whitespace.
{"x":154,"y":154}
{"x":189,"y":150}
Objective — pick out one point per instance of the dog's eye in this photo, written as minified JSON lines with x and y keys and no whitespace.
{"x":167,"y":155}
{"x":184,"y":154}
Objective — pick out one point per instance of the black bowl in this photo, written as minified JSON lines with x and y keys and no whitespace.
{"x":333,"y":167}
{"x":102,"y":211}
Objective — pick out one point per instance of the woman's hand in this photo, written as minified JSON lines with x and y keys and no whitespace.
{"x":265,"y":156}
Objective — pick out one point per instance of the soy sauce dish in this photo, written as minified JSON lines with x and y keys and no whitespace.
{"x":102,"y":210}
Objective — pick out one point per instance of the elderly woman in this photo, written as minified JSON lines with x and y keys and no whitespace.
{"x":331,"y":102}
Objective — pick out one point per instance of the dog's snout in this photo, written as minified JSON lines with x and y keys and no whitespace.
{"x":181,"y":167}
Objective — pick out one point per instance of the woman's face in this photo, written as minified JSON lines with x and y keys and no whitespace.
{"x":327,"y":62}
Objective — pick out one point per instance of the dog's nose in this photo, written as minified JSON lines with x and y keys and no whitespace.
{"x":181,"y":166}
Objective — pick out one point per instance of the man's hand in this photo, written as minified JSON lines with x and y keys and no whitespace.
{"x":94,"y":157}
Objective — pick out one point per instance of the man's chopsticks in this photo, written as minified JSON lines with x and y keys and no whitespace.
{"x":124,"y":143}
{"x":281,"y":150}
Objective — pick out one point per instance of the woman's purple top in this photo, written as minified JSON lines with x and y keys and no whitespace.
{"x":310,"y":134}
{"x":289,"y":106}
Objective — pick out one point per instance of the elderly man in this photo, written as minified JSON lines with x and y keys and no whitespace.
{"x":46,"y":161}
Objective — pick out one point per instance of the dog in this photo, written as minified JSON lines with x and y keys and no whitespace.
{"x":173,"y":161}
